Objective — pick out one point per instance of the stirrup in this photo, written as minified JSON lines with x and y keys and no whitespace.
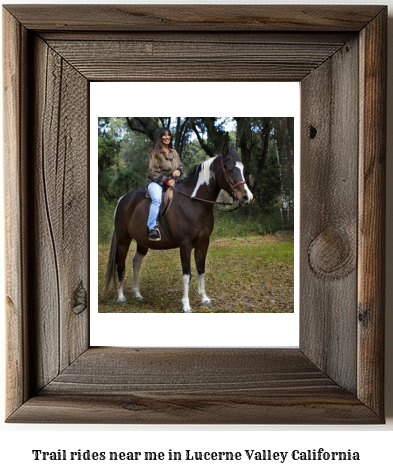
{"x":155,"y":234}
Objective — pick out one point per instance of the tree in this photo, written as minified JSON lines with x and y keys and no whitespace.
{"x":253,"y":140}
{"x":125,"y":144}
{"x":108,"y":150}
{"x":284,"y":138}
{"x":210,"y":133}
{"x":145,"y":125}
{"x":149,"y":126}
{"x":133,"y":156}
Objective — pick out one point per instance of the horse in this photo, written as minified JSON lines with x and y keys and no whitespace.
{"x":187,"y":225}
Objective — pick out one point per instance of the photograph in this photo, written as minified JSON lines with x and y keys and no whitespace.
{"x":217,"y":191}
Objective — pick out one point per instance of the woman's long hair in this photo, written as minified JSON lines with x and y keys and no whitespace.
{"x":157,"y":142}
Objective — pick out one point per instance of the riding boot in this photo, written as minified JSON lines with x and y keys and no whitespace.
{"x":154,"y":234}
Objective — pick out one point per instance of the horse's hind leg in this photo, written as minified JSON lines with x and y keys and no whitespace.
{"x":137,"y":263}
{"x":200,"y":259}
{"x":122,"y":251}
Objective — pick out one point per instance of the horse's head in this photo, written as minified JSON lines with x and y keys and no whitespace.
{"x":233,"y":181}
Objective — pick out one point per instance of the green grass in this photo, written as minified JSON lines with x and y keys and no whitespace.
{"x":252,"y":274}
{"x":248,"y":268}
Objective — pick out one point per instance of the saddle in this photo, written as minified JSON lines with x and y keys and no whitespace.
{"x":166,"y":201}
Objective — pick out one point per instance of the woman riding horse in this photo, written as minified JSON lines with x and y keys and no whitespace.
{"x":164,"y":164}
{"x":187,"y":225}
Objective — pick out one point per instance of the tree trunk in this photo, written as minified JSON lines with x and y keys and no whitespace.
{"x":284,"y":127}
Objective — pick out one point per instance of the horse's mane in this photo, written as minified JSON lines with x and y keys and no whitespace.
{"x":195,"y":170}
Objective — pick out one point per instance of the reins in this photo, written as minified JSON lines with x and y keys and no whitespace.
{"x":232,"y":187}
{"x":203,"y":200}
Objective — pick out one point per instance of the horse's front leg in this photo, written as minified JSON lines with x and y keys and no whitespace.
{"x":185,"y":255}
{"x":200,"y":259}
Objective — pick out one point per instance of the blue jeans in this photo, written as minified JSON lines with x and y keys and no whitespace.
{"x":155,"y":192}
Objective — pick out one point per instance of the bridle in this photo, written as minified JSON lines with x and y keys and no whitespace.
{"x":231,"y":185}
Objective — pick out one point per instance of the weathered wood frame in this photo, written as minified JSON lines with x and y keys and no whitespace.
{"x":338,"y":53}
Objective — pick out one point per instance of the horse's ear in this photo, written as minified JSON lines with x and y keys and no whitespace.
{"x":225,"y":150}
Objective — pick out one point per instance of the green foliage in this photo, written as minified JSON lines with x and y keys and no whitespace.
{"x":108,"y":150}
{"x":124,"y":144}
{"x":267,"y":191}
{"x":254,"y":139}
{"x":211,"y":133}
{"x":105,"y":221}
{"x":133,"y":163}
{"x":244,"y":222}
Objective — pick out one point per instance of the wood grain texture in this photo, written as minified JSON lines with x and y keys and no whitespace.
{"x":200,"y":37}
{"x":335,"y":376}
{"x":372,"y":190}
{"x":193,"y":409}
{"x":61,"y":214}
{"x":218,"y":57}
{"x":328,"y":249}
{"x":194,"y":386}
{"x":197,"y":18}
{"x":204,"y":371}
{"x":14,"y":68}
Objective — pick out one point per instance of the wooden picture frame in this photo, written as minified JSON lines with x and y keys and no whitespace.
{"x":338,"y":54}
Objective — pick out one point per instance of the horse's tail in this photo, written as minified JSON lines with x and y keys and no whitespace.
{"x":111,"y":269}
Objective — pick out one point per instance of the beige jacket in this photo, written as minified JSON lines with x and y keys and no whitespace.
{"x":162,"y":165}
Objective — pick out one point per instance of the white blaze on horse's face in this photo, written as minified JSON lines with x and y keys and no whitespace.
{"x":205,"y":175}
{"x":243,"y":192}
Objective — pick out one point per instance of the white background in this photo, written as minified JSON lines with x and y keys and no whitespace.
{"x":373,"y":442}
{"x":199,"y":330}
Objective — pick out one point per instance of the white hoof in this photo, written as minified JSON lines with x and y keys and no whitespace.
{"x":122,"y":300}
{"x":138,"y":298}
{"x":186,"y":310}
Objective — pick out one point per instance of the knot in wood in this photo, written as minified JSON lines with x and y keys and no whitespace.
{"x":331,"y":254}
{"x":80,"y":299}
{"x":364,"y":316}
{"x":313,"y":132}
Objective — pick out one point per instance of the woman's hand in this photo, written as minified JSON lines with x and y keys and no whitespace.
{"x":169,"y":183}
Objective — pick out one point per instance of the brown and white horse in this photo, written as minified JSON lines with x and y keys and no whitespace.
{"x":188,"y":224}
